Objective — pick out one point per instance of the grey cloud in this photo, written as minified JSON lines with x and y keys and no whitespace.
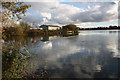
{"x":97,"y":15}
{"x":64,"y":14}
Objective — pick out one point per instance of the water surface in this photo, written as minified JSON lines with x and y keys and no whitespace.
{"x":91,"y":54}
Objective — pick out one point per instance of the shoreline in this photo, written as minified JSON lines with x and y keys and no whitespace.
{"x":100,"y":29}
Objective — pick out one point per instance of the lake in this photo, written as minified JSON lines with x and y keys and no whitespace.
{"x":91,"y":54}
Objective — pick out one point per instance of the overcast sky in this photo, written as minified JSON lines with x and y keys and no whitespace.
{"x":83,"y":14}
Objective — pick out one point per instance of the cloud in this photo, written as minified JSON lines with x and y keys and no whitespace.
{"x":61,"y":14}
{"x":98,"y":13}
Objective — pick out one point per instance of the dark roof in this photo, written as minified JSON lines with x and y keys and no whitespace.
{"x":50,"y":25}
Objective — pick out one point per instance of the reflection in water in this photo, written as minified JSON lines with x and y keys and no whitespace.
{"x":47,"y":38}
{"x":91,"y":54}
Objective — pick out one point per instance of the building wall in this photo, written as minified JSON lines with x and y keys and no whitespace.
{"x":52,"y":28}
{"x":44,"y":27}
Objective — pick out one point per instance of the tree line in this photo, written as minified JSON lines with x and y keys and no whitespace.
{"x":101,"y":28}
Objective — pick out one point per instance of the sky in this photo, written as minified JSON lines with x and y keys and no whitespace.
{"x":82,"y":14}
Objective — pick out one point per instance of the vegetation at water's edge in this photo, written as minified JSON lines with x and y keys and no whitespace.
{"x":16,"y":58}
{"x":24,"y":30}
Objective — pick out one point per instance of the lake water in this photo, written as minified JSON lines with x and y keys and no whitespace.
{"x":91,"y":54}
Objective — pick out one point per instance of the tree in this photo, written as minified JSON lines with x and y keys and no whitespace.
{"x":12,"y":10}
{"x":69,"y":27}
{"x":25,"y":26}
{"x":17,"y":30}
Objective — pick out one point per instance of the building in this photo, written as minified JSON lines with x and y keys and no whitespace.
{"x":49,"y":27}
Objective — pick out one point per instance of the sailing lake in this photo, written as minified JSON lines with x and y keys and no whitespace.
{"x":91,"y":54}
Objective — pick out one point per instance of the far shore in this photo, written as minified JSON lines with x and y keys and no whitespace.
{"x":99,"y":29}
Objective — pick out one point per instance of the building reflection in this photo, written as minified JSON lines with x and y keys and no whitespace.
{"x":47,"y":38}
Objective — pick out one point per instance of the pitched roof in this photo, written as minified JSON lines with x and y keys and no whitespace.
{"x":50,"y":25}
